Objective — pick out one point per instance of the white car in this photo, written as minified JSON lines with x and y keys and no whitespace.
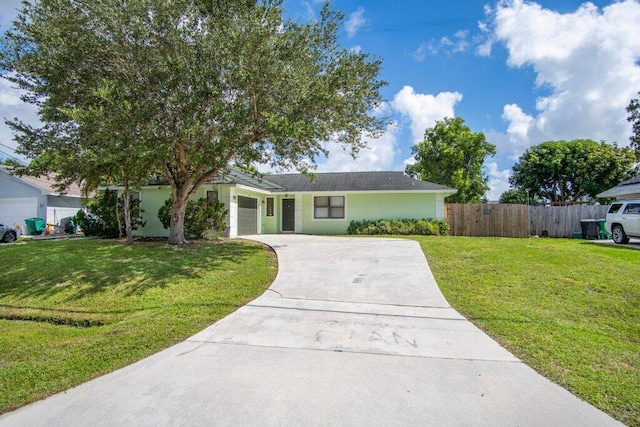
{"x":623,"y":220}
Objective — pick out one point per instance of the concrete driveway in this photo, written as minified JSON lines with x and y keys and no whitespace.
{"x":354,"y":331}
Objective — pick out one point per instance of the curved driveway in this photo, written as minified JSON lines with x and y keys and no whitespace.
{"x":354,"y":331}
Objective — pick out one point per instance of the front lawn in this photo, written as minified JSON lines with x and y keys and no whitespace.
{"x":73,"y":310}
{"x":568,"y":308}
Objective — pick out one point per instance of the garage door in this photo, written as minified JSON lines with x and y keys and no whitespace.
{"x":54,"y":215}
{"x":247,"y":216}
{"x":15,"y":211}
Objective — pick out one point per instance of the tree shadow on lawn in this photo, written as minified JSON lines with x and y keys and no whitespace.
{"x":79,"y":269}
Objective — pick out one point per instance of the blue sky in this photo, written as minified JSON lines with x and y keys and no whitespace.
{"x":521,"y":72}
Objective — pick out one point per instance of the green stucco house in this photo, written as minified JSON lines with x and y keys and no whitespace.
{"x":296,"y":203}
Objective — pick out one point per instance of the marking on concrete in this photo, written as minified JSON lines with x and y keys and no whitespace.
{"x":360,"y":278}
{"x":409,"y":316}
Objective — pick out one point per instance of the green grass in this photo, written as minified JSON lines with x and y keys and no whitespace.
{"x":567,"y":308}
{"x":74,"y":310}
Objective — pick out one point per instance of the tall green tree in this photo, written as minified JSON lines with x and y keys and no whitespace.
{"x":515,"y":196}
{"x":451,"y":154}
{"x":564,"y":172}
{"x":187,"y":88}
{"x":634,"y":118}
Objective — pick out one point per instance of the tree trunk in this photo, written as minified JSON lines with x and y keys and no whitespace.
{"x":127,"y":213}
{"x":176,"y":226}
{"x":118,"y":218}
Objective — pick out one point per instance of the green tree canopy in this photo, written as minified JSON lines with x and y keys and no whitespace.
{"x":453,"y":155}
{"x":186,"y":88}
{"x":564,"y":172}
{"x":634,"y":118}
{"x":515,"y":196}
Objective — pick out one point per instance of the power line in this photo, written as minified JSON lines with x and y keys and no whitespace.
{"x":11,"y":156}
{"x":6,"y":146}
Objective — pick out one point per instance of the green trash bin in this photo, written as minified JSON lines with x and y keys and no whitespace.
{"x":603,"y":233}
{"x":31,"y":226}
{"x":35,"y":226}
{"x":41,"y":226}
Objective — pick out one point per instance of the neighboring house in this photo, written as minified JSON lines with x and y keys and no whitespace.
{"x":295,"y":203}
{"x":23,"y":197}
{"x":629,"y":189}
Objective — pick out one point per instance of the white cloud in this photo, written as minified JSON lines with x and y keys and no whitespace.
{"x":587,"y":60}
{"x":420,"y":54}
{"x":423,"y":110}
{"x":457,"y":43}
{"x":355,"y":22}
{"x":11,"y":106}
{"x":498,"y":181}
{"x":8,"y":12}
{"x":378,"y":155}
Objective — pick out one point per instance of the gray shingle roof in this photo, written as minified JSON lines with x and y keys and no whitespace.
{"x":45,"y":183}
{"x":634,"y":180}
{"x":353,"y":181}
{"x":624,"y":189}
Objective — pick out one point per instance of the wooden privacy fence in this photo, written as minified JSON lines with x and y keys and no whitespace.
{"x":562,"y":221}
{"x":498,"y":220}
{"x":487,"y":220}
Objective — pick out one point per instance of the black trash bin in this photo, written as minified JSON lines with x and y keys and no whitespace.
{"x":590,"y":228}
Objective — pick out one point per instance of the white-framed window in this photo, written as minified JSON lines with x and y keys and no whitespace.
{"x":328,"y":207}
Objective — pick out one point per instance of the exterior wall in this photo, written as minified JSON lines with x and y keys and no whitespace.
{"x":12,"y":188}
{"x":153,"y":198}
{"x":360,"y":206}
{"x":59,"y":207}
{"x":271,"y":224}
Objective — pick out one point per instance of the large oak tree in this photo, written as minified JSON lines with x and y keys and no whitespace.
{"x":186,"y":88}
{"x":564,"y":172}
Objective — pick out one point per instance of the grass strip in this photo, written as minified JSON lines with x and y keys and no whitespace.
{"x":73,"y":310}
{"x":568,"y":308}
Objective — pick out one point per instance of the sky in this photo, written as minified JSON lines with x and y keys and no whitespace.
{"x":521,"y":72}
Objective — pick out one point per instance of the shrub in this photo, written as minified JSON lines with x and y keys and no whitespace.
{"x":200,"y":216}
{"x":102,"y":221}
{"x":425,"y":227}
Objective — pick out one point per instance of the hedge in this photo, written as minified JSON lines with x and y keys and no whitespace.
{"x":425,"y":227}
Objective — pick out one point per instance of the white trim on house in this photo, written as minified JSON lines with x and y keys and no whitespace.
{"x":298,"y":216}
{"x":340,"y":192}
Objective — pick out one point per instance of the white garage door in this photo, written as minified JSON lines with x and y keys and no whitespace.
{"x":54,"y":215}
{"x":15,"y":211}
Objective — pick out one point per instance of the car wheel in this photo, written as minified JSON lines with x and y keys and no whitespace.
{"x":9,"y":237}
{"x":619,"y":236}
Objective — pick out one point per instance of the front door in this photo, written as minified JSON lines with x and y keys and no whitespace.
{"x":288,"y":214}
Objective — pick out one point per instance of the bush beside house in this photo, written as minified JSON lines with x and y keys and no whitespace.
{"x":424,"y":227}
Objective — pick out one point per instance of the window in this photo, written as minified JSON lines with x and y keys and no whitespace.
{"x":632,"y":208}
{"x":327,"y":207}
{"x":615,"y":208}
{"x":269,"y":206}
{"x":212,"y":196}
